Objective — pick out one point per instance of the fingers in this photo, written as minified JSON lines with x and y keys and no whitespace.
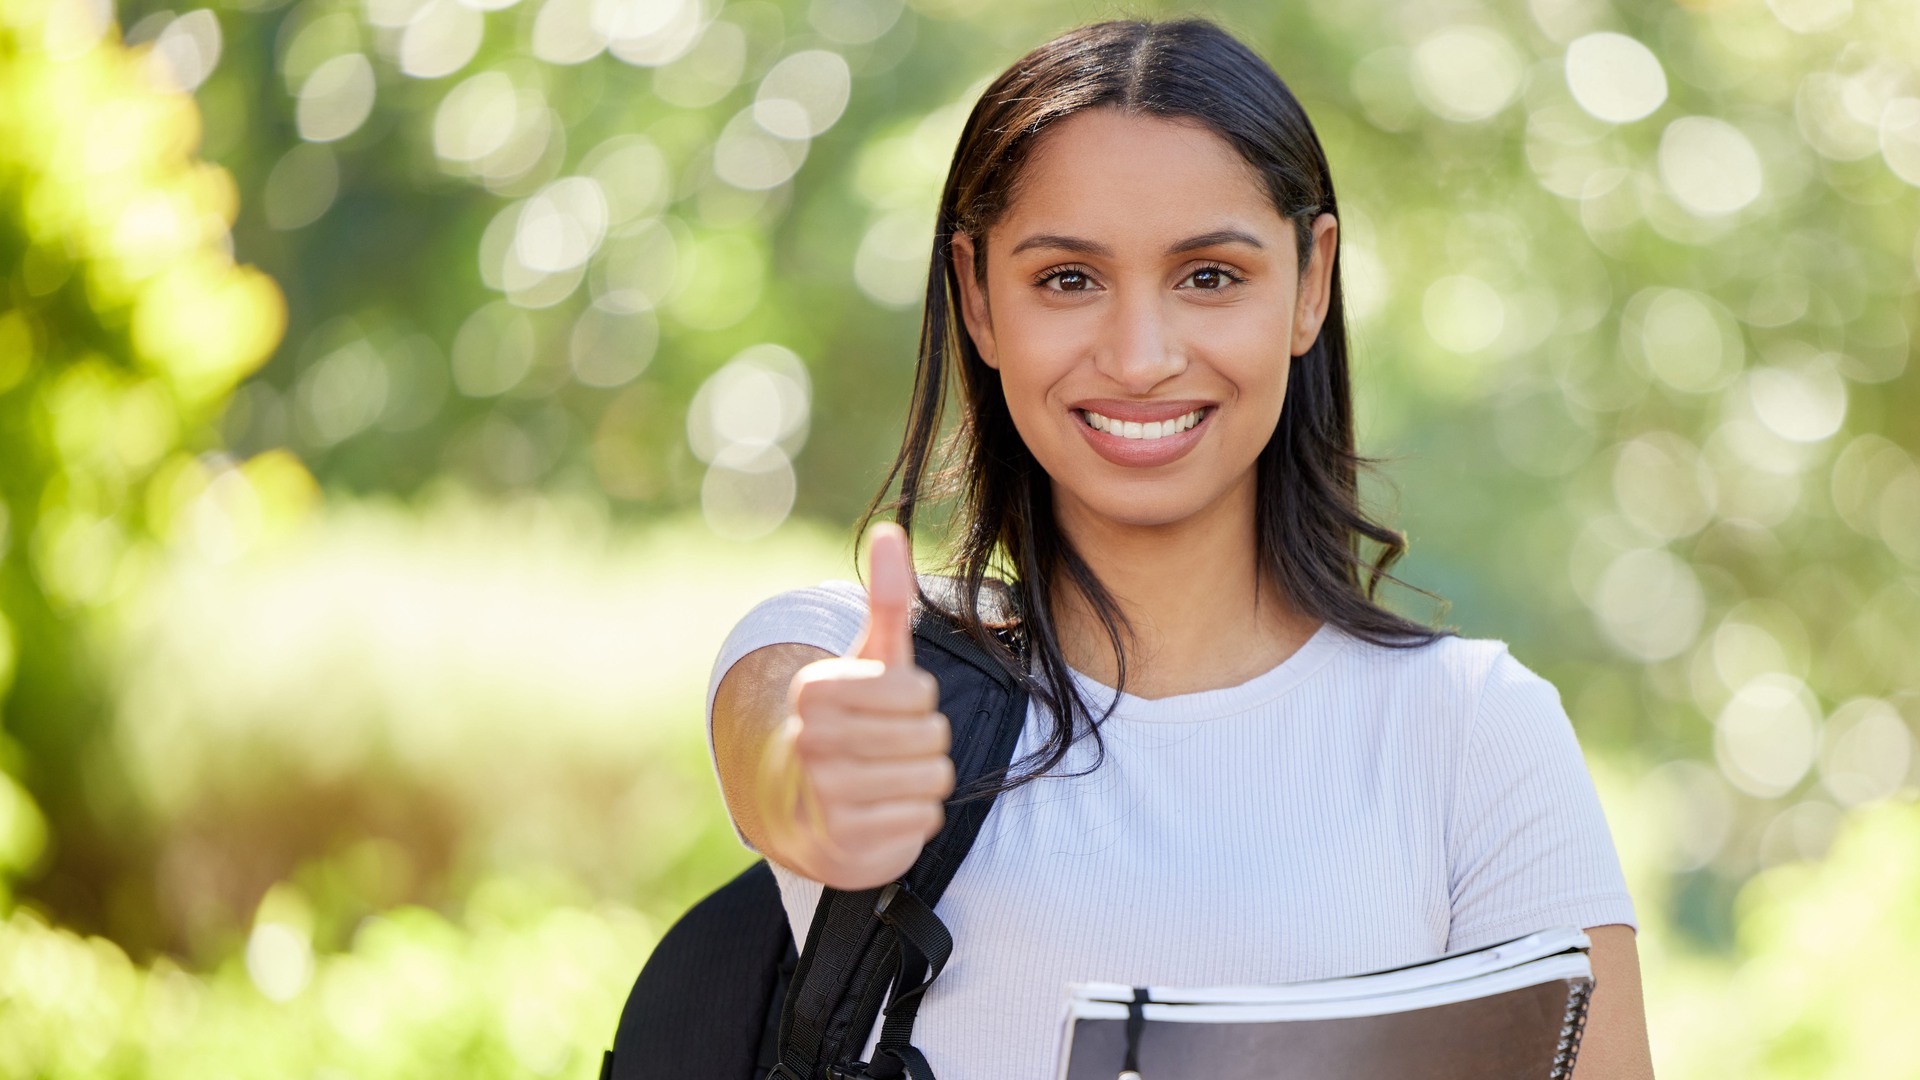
{"x":879,"y":827}
{"x":866,"y":774}
{"x":888,"y":637}
{"x":851,"y":736}
{"x":923,"y":782}
{"x":865,"y":686}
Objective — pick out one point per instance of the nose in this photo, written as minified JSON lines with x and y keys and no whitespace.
{"x":1139,"y":347}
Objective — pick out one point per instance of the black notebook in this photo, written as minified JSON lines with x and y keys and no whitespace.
{"x":1512,"y":1011}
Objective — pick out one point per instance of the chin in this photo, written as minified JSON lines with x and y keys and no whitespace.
{"x":1131,"y":506}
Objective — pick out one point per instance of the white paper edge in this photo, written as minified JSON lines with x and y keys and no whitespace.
{"x":1545,"y":970}
{"x":1436,"y":972}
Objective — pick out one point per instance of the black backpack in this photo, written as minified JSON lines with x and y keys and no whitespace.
{"x":725,"y":994}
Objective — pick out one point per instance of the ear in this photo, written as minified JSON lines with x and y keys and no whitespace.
{"x":1316,"y":285}
{"x":973,"y":299}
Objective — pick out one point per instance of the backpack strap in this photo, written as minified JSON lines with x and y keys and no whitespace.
{"x":925,"y":944}
{"x":858,"y":938}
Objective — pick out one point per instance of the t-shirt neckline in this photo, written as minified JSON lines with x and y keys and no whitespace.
{"x":1312,"y":655}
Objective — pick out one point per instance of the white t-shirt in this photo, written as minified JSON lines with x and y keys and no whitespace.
{"x":1354,"y":808}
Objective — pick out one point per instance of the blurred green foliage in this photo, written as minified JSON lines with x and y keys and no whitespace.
{"x":598,"y":316}
{"x":527,"y":982}
{"x":124,"y":325}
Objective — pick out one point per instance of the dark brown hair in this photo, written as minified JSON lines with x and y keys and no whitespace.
{"x":1309,"y":521}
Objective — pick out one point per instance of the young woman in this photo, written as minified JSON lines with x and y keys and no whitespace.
{"x":1237,"y":767}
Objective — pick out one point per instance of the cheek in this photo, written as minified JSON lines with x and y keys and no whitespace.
{"x":1256,"y":355}
{"x":1034,"y":356}
{"x":1028,"y":382}
{"x":1025,"y":385}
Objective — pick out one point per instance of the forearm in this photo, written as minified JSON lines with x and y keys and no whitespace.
{"x":1615,"y":1044}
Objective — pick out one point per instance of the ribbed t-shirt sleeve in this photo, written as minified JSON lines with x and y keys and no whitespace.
{"x":829,"y":615}
{"x":1527,"y":841}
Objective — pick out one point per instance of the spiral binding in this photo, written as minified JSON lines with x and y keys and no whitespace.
{"x":1571,"y":1028}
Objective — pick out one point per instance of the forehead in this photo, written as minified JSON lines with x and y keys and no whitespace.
{"x":1114,"y":176}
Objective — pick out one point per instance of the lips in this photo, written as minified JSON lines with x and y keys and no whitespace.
{"x":1140,"y":411}
{"x":1142,"y":452}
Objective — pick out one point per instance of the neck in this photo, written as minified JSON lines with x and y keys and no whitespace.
{"x":1204,"y":612}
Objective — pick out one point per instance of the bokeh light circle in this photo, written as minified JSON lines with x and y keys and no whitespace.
{"x":1467,"y":73}
{"x":1615,"y":78}
{"x":1463,"y":313}
{"x":336,"y":99}
{"x":1709,"y":166}
{"x":1766,"y":737}
{"x":1649,"y":603}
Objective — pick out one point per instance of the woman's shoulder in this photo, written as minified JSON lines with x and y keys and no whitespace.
{"x":830,"y":591}
{"x":943,"y":590}
{"x":831,"y":596}
{"x":828,"y":615}
{"x":1449,"y":659}
{"x":1466,"y":676}
{"x":838,"y":608}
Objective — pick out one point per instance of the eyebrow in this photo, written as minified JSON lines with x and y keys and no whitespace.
{"x":1083,"y":246}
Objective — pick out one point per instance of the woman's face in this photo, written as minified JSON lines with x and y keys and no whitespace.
{"x":1143,"y":284}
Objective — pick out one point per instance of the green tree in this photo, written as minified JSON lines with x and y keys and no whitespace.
{"x":124,"y":326}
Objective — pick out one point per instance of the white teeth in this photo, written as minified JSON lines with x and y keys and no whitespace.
{"x":1130,"y":429}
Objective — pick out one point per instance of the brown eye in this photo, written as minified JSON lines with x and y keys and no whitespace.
{"x":1064,"y":279}
{"x":1213,"y":279}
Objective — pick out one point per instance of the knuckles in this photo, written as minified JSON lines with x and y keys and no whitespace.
{"x":926,"y":688}
{"x":942,"y":733}
{"x":945,"y":776}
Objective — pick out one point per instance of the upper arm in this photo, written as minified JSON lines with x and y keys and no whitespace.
{"x":750,"y":702}
{"x":1615,"y":1044}
{"x":1528,"y":845}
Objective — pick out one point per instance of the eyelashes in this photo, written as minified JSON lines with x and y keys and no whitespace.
{"x":1230,"y":276}
{"x":1041,"y":279}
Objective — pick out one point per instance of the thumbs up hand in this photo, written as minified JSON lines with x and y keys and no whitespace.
{"x":854,"y":783}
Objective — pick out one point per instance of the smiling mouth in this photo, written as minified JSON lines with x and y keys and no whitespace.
{"x":1148,"y":431}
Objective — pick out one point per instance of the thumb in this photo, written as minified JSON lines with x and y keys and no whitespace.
{"x":889,"y":634}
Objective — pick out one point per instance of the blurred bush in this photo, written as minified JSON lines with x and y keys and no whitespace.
{"x":527,"y":981}
{"x":1814,"y":986}
{"x":422,"y":699}
{"x":527,"y":978}
{"x":125,"y":324}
